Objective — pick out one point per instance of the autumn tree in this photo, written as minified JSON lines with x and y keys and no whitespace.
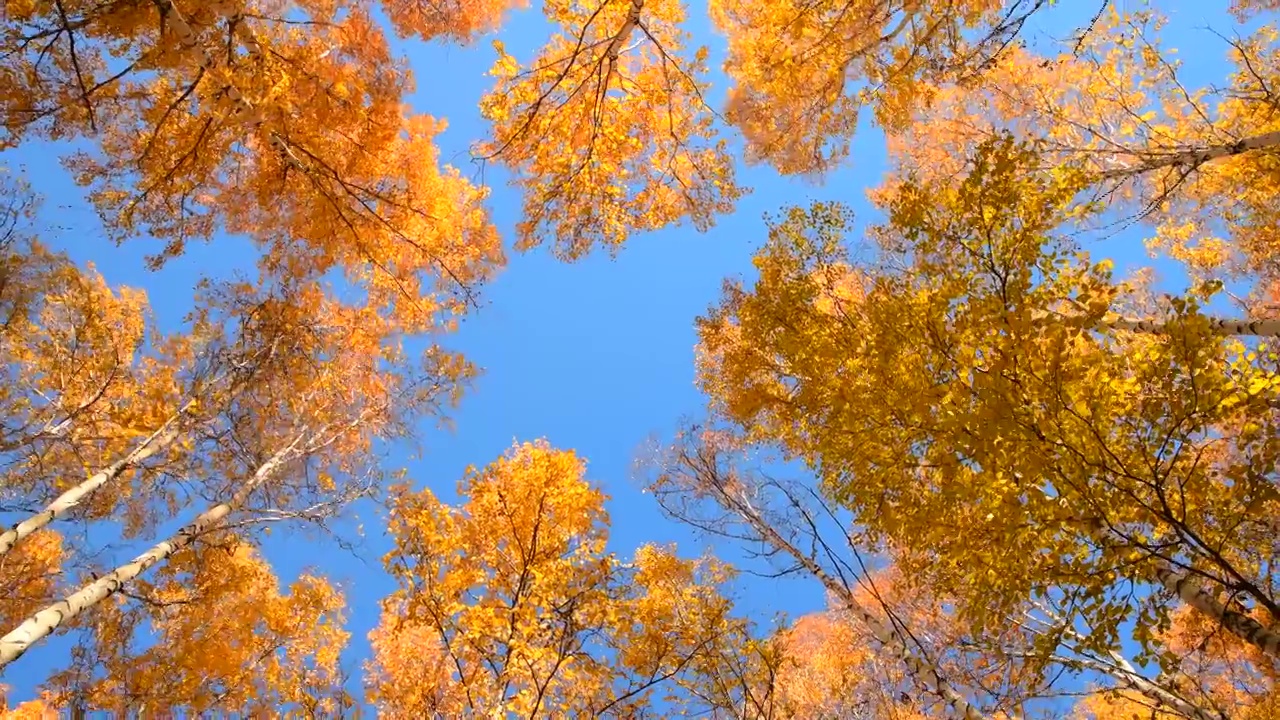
{"x":240,"y":117}
{"x":510,"y":603}
{"x":833,"y":666}
{"x":298,"y":441}
{"x":234,"y":117}
{"x":283,"y":122}
{"x":695,"y":484}
{"x":827,"y":664}
{"x":280,"y":121}
{"x":890,"y":631}
{"x":79,"y":384}
{"x":80,"y":376}
{"x":31,"y":576}
{"x":802,"y":72}
{"x":1213,"y":664}
{"x":1210,"y":664}
{"x":983,"y":384}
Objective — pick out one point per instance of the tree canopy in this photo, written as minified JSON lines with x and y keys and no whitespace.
{"x":1029,"y":471}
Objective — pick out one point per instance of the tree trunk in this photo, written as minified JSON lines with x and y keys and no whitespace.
{"x":1187,"y":590}
{"x":735,"y":500}
{"x":46,"y":621}
{"x":886,"y":634}
{"x":154,"y":443}
{"x":624,"y":33}
{"x":1239,"y":624}
{"x":1221,"y":326}
{"x":1156,"y":160}
{"x":1124,"y":673}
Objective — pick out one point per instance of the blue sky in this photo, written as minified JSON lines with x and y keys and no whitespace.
{"x":596,"y":356}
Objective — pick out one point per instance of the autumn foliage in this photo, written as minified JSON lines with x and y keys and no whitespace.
{"x":1029,"y":477}
{"x":250,"y":646}
{"x":608,"y":127}
{"x":512,"y":603}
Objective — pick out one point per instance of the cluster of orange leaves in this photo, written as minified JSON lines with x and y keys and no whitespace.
{"x":607,"y":129}
{"x":512,"y":604}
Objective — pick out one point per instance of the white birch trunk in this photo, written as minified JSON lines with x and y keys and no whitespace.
{"x":1238,"y":624}
{"x":1129,"y":677}
{"x":46,"y":621}
{"x":1187,"y":590}
{"x":1156,"y":160}
{"x":152,"y":444}
{"x":624,"y":33}
{"x":885,"y":633}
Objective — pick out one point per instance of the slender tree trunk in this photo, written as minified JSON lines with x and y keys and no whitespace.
{"x":152,"y":444}
{"x":885,"y":633}
{"x":46,"y":621}
{"x":1238,"y":624}
{"x":624,"y":33}
{"x":1188,"y":590}
{"x":1124,"y":673}
{"x":1156,"y":160}
{"x":1221,"y":326}
{"x":927,"y":673}
{"x":1121,"y":670}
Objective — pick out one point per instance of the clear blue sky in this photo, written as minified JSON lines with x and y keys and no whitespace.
{"x":596,"y":356}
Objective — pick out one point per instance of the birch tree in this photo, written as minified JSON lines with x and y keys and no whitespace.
{"x":225,"y":637}
{"x":301,"y":435}
{"x":889,"y":633}
{"x":697,"y":471}
{"x":982,"y":370}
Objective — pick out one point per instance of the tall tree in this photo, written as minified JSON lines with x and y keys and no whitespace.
{"x":697,"y":485}
{"x":976,"y":374}
{"x":510,"y":603}
{"x":298,"y":439}
{"x":1218,"y":668}
{"x":84,"y":376}
{"x":890,"y":631}
{"x":281,"y":121}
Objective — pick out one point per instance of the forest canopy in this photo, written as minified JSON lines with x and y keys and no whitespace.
{"x":987,"y":409}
